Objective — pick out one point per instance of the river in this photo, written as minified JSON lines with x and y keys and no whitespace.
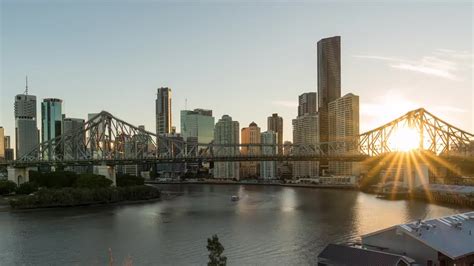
{"x":270,"y":225}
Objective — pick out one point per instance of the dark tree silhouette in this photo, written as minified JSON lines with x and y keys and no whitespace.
{"x":215,"y":249}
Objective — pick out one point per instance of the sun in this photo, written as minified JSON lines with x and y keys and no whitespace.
{"x":404,"y":139}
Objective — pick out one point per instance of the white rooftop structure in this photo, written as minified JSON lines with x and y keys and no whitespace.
{"x":452,"y":235}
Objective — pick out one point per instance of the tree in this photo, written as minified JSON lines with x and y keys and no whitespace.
{"x":7,"y":187}
{"x":215,"y":249}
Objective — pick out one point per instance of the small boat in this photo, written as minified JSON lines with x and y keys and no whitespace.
{"x":234,"y":198}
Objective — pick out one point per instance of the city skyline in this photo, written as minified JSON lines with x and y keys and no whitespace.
{"x":430,"y":64}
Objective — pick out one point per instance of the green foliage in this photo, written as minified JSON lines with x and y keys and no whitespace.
{"x":58,"y":179}
{"x":7,"y":187}
{"x":129,"y":180}
{"x":27,"y":188}
{"x":92,"y":181}
{"x":215,"y":249}
{"x":84,"y":196}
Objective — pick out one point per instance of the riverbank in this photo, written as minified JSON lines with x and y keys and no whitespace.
{"x":77,"y":197}
{"x":222,"y":182}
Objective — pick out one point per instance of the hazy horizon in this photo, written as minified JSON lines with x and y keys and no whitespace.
{"x":241,"y":59}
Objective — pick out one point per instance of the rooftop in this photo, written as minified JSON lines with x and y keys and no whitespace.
{"x":451,"y":235}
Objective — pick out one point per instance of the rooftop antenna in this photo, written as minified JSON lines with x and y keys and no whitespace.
{"x":26,"y":86}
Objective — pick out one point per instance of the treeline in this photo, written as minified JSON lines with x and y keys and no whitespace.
{"x":62,"y":188}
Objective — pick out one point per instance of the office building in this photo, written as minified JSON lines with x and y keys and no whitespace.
{"x":170,"y":145}
{"x":163,"y":111}
{"x":306,"y":137}
{"x":329,"y":80}
{"x":226,"y":131}
{"x":250,"y":135}
{"x":307,"y":104}
{"x":268,"y":169}
{"x":51,"y":125}
{"x":26,"y":130}
{"x":275,"y":124}
{"x":198,"y":123}
{"x":2,"y":144}
{"x":344,"y":128}
{"x":74,"y":138}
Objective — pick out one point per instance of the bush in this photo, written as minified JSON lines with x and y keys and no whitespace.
{"x":58,"y":179}
{"x":92,"y":181}
{"x":130,"y":180}
{"x":84,"y":196}
{"x":7,"y":187}
{"x":27,"y":188}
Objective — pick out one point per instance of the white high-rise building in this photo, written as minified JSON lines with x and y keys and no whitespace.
{"x":26,"y":130}
{"x":163,"y":111}
{"x":344,"y":127}
{"x":226,"y":131}
{"x":305,"y":139}
{"x":268,"y":169}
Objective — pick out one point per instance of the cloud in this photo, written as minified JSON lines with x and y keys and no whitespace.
{"x":444,"y":63}
{"x":289,"y":104}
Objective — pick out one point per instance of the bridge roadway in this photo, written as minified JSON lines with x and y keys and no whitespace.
{"x":194,"y":159}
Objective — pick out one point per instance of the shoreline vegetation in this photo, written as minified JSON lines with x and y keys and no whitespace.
{"x":67,"y":189}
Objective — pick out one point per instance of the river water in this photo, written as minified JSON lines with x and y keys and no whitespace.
{"x":270,"y":225}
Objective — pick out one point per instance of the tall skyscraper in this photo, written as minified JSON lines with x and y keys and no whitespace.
{"x":307,"y":104}
{"x":2,"y":143}
{"x":344,"y":127}
{"x":197,"y":124}
{"x":163,"y":111}
{"x":250,"y":135}
{"x":268,"y":169}
{"x":226,"y":131}
{"x":275,"y":124}
{"x":329,"y":80}
{"x":26,"y":131}
{"x":306,"y":135}
{"x":74,"y":138}
{"x":51,"y":124}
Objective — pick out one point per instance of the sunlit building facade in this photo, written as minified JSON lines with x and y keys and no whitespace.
{"x":250,"y":135}
{"x":226,"y":131}
{"x":344,"y":128}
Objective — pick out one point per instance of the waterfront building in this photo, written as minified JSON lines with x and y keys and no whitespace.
{"x":344,"y":127}
{"x":170,"y":145}
{"x":268,"y":169}
{"x":226,"y":131}
{"x":74,"y":138}
{"x":26,"y":131}
{"x":198,"y":123}
{"x":275,"y":124}
{"x":8,"y":151}
{"x":250,"y":135}
{"x":163,"y":111}
{"x":441,"y":241}
{"x":329,"y":80}
{"x":2,"y":143}
{"x":51,"y":125}
{"x":307,"y":104}
{"x":305,"y":138}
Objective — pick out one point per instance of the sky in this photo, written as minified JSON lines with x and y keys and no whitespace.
{"x":242,"y":58}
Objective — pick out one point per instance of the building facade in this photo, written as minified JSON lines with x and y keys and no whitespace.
{"x":74,"y":138}
{"x":275,"y":124}
{"x":268,"y":169}
{"x":305,"y":138}
{"x":199,"y":124}
{"x":2,"y":144}
{"x":329,"y":80}
{"x":226,"y":131}
{"x":344,"y":127}
{"x":163,"y":111}
{"x":250,"y":135}
{"x":307,"y":104}
{"x":26,"y":130}
{"x":51,"y":125}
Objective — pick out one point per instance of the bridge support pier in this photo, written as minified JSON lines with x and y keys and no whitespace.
{"x":106,"y":170}
{"x":20,"y":175}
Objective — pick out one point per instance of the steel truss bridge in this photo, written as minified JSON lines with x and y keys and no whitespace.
{"x":108,"y":140}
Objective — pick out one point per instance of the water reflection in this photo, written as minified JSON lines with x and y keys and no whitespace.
{"x":269,"y":225}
